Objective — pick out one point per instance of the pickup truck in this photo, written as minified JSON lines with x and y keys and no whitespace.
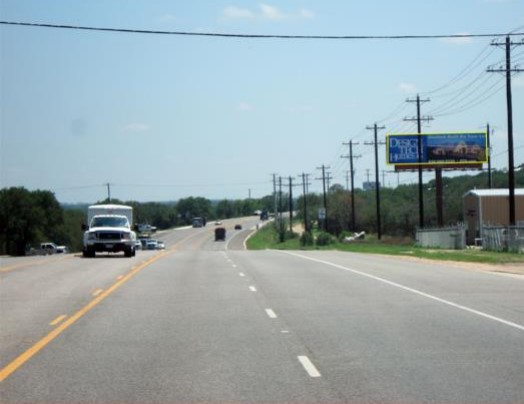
{"x":47,"y":249}
{"x":109,"y":230}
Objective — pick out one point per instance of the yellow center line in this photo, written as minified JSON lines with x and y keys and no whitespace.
{"x":58,"y":319}
{"x":97,"y":292}
{"x":38,"y":346}
{"x":31,"y":263}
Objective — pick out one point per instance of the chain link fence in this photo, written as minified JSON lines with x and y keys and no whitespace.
{"x":499,"y":238}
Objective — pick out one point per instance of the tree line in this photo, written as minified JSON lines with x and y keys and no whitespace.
{"x":400,"y":206}
{"x":30,"y":217}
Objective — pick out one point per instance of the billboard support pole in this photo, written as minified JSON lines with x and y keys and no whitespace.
{"x":439,"y":197}
{"x":490,"y":181}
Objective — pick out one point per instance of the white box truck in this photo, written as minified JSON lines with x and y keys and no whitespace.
{"x":109,"y":229}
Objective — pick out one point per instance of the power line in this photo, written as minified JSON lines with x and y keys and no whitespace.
{"x":254,"y":36}
{"x":474,"y":63}
{"x":479,"y":100}
{"x":459,"y":104}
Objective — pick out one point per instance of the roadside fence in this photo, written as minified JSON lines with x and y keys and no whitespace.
{"x":503,"y":238}
{"x":451,"y":238}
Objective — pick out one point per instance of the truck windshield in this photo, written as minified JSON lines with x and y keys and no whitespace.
{"x":106,"y":221}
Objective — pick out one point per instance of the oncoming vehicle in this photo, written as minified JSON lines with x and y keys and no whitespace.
{"x":151,"y":244}
{"x":198,"y":222}
{"x":47,"y":249}
{"x":109,"y":230}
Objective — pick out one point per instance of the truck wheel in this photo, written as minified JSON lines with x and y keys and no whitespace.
{"x":89,"y":252}
{"x":129,"y":252}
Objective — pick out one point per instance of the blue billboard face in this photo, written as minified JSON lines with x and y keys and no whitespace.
{"x":443,"y":148}
{"x":403,"y":149}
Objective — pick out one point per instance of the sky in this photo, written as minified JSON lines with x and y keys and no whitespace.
{"x":163,"y":117}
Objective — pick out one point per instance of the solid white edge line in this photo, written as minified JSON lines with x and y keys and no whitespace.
{"x":415,"y":291}
{"x":308,"y":366}
{"x":270,"y":313}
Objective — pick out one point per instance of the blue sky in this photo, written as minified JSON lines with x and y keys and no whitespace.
{"x":161,"y":117}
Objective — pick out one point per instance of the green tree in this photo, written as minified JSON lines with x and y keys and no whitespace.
{"x":191,"y":207}
{"x":225,"y":209}
{"x":27,"y":218}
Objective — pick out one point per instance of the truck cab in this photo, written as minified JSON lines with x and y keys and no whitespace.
{"x":109,"y":230}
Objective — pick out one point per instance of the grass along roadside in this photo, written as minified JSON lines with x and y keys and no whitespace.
{"x":267,"y":238}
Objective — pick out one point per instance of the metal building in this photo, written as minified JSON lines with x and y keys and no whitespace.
{"x":489,"y":207}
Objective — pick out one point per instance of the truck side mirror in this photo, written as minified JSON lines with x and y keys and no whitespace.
{"x":84,"y":227}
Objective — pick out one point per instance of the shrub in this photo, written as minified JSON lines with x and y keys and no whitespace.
{"x":306,"y":239}
{"x":289,"y":235}
{"x":324,"y":239}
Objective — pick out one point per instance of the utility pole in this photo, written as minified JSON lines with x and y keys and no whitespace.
{"x":490,"y":179}
{"x":511,"y":164}
{"x":438,"y":172}
{"x":352,"y":171}
{"x":108,"y":192}
{"x":275,"y":195}
{"x":375,"y":128}
{"x":290,"y":204}
{"x":280,"y":224}
{"x":328,"y":181}
{"x":323,"y":168}
{"x":304,"y":187}
{"x":367,"y":174}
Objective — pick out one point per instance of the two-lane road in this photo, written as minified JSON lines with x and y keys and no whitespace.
{"x":207,"y":322}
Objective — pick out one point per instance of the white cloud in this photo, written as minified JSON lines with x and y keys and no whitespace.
{"x":244,"y":106}
{"x":265,"y":12}
{"x":136,"y":127}
{"x":237,"y":12}
{"x":407,"y":88}
{"x":271,"y":12}
{"x":458,"y":40}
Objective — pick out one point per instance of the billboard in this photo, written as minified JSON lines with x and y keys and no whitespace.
{"x":438,"y":149}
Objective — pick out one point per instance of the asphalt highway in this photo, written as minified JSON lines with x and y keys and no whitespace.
{"x":208,"y":322}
